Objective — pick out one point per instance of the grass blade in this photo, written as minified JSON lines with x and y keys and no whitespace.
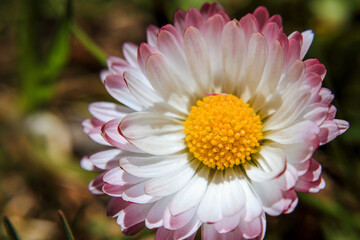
{"x":69,"y":234}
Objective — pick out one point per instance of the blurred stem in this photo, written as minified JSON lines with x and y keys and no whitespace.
{"x":89,"y":44}
{"x":10,"y":229}
{"x":332,"y":209}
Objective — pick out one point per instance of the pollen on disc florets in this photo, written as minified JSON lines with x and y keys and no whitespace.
{"x":223,"y":131}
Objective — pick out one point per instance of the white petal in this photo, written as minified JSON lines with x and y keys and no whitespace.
{"x":153,"y":133}
{"x":233,"y":54}
{"x":106,"y":111}
{"x":271,"y":76}
{"x":130,"y":53}
{"x":271,"y":197}
{"x":106,"y":159}
{"x":167,"y":83}
{"x":172,"y":182}
{"x":255,"y":63}
{"x":253,"y":207}
{"x":270,"y":164}
{"x":233,"y":199}
{"x":209,"y":209}
{"x":191,"y":194}
{"x":153,"y":166}
{"x":308,"y":37}
{"x":148,"y":97}
{"x":293,"y":134}
{"x":197,"y":56}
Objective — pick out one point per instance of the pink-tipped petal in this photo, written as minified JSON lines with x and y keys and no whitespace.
{"x":262,"y":15}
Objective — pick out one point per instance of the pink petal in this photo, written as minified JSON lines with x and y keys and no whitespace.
{"x":134,"y":229}
{"x":179,"y":21}
{"x":262,"y":15}
{"x":133,"y":214}
{"x":92,"y":127}
{"x":253,"y":228}
{"x":310,"y":187}
{"x":95,"y":186}
{"x":227,"y":224}
{"x":208,"y":10}
{"x":115,"y":205}
{"x":154,"y":219}
{"x":109,"y":131}
{"x":144,"y":51}
{"x":249,"y":25}
{"x":330,"y":129}
{"x":174,"y":222}
{"x":313,"y":172}
{"x":136,"y":194}
{"x":194,"y":18}
{"x":117,"y":88}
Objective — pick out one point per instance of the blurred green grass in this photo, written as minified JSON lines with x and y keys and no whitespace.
{"x":52,"y":52}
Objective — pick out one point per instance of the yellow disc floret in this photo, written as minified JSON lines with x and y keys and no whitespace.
{"x":223,"y":131}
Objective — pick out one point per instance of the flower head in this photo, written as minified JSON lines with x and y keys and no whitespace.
{"x":218,"y":124}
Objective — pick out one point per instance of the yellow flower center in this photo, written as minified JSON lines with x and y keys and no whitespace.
{"x":223,"y":131}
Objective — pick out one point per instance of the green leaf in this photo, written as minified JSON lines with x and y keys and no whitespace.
{"x":10,"y":229}
{"x":89,"y":44}
{"x":68,"y":232}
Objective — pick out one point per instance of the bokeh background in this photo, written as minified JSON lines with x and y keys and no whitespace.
{"x":51,"y":52}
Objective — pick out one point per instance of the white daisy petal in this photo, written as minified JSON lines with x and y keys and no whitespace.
{"x":172,"y":182}
{"x":198,"y":58}
{"x":148,"y":98}
{"x":106,"y":111}
{"x":206,"y":211}
{"x":233,"y":198}
{"x":153,"y":133}
{"x":255,"y":63}
{"x":167,"y":83}
{"x":269,"y":164}
{"x":191,"y":194}
{"x":153,"y":166}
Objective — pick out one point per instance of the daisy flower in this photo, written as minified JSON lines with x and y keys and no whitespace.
{"x":217,"y":126}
